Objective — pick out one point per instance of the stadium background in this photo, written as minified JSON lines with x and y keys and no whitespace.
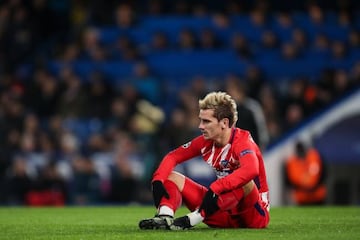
{"x":93,"y":93}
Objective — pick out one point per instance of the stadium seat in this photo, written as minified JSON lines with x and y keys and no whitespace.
{"x":182,"y":64}
{"x":114,"y":70}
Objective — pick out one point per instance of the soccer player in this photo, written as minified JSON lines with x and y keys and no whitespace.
{"x":238,"y":198}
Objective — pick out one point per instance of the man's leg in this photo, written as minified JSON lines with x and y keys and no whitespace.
{"x":192,"y":194}
{"x":166,"y":210}
{"x":250,"y":212}
{"x":226,"y":201}
{"x":167,"y":207}
{"x":253,"y":212}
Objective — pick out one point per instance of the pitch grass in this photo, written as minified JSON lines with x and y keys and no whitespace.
{"x":121,"y":222}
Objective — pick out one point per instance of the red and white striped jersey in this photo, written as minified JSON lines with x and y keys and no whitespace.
{"x":235,"y":164}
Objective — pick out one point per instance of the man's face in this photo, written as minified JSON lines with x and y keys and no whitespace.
{"x":209,"y":126}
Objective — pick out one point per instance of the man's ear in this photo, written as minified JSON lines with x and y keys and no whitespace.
{"x":224,"y":123}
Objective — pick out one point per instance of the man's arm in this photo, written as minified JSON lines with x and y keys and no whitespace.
{"x":248,"y":170}
{"x":175,"y":157}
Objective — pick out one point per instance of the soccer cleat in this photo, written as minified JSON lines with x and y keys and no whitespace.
{"x":181,"y":223}
{"x":157,"y":222}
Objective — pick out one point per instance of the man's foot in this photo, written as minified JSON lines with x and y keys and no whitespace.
{"x":157,"y":222}
{"x":181,"y":223}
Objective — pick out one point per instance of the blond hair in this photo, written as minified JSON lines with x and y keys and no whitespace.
{"x":223,"y":105}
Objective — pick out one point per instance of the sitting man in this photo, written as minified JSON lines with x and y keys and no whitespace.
{"x":238,"y":198}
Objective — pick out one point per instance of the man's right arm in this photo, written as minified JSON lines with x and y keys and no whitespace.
{"x":177,"y":156}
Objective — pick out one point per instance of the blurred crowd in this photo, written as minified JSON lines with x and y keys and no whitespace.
{"x":69,"y":140}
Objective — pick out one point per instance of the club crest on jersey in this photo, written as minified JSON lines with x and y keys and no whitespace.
{"x":186,"y":145}
{"x":224,"y":163}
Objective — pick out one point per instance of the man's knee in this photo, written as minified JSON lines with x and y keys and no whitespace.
{"x":178,"y":179}
{"x":248,"y":188}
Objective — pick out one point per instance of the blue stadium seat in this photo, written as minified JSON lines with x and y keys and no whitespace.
{"x":83,"y":128}
{"x":108,"y":35}
{"x":139,"y":35}
{"x":336,"y":32}
{"x":172,"y":25}
{"x":252,"y":32}
{"x":115,"y":70}
{"x":285,"y":70}
{"x":181,"y":64}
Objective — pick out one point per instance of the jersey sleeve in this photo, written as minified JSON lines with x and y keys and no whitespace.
{"x":181,"y":154}
{"x":248,"y":170}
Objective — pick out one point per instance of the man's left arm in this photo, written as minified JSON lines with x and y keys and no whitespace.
{"x":248,"y":170}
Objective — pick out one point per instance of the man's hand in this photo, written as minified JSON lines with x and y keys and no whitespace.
{"x":159,"y":192}
{"x":209,"y":203}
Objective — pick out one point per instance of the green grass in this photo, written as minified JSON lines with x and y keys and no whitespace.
{"x":122,"y":223}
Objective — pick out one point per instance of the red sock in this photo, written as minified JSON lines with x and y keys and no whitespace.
{"x":193,"y":194}
{"x":174,"y":202}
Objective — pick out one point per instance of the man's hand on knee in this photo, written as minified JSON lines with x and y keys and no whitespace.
{"x":209,"y":204}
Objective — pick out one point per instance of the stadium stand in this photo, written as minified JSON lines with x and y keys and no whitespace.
{"x":63,"y":62}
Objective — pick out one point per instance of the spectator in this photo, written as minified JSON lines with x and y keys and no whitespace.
{"x":284,"y":26}
{"x":73,"y":99}
{"x":270,"y":102}
{"x":86,"y":184}
{"x":125,"y":49}
{"x":255,"y":81}
{"x":241,"y":46}
{"x":146,"y":84}
{"x":125,"y":17}
{"x":269,"y":49}
{"x":338,"y":50}
{"x":199,"y":10}
{"x":289,"y":52}
{"x":91,"y":48}
{"x":305,"y":176}
{"x":159,"y":42}
{"x":294,"y":114}
{"x":187,"y":40}
{"x":99,"y":97}
{"x":208,"y":40}
{"x":155,"y":7}
{"x":127,"y":171}
{"x":354,"y":40}
{"x":43,"y":93}
{"x":70,"y":53}
{"x":249,"y":110}
{"x":341,"y":83}
{"x":48,"y":189}
{"x":17,"y":182}
{"x":177,"y":131}
{"x":300,"y":40}
{"x":120,"y":115}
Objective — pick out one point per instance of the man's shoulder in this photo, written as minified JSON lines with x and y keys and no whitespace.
{"x":242,"y":134}
{"x":198,"y":141}
{"x":243,"y":138}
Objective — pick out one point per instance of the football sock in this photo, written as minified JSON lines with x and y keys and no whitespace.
{"x":195,"y":218}
{"x":169,"y":206}
{"x":165,"y":210}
